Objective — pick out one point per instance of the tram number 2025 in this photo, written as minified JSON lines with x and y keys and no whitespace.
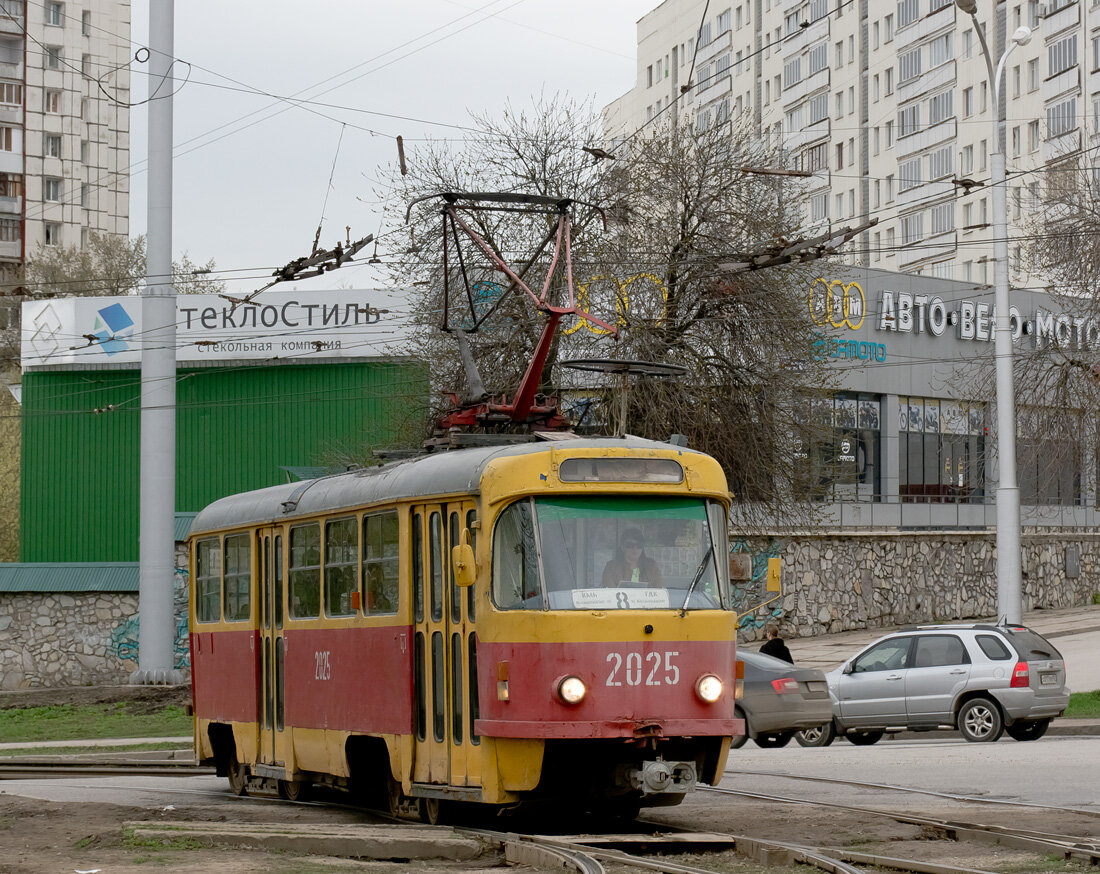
{"x":322,"y":666}
{"x":638,"y":669}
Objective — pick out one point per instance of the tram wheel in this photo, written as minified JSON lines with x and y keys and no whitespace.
{"x":433,"y":810}
{"x":293,"y":790}
{"x":773,"y":739}
{"x":238,"y":776}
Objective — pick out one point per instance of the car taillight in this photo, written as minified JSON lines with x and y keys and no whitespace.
{"x":1020,"y":678}
{"x":786,"y":685}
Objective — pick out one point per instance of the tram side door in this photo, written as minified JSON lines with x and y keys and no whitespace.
{"x":461,"y":655}
{"x":432,"y":761}
{"x":272,"y":644}
{"x":443,"y":650}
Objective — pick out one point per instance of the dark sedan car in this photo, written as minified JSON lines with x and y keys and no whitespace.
{"x":779,"y":700}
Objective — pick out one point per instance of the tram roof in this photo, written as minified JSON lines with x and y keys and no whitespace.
{"x":435,"y":474}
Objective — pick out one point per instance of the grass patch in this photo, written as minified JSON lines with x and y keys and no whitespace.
{"x":91,"y":721}
{"x":1084,"y":705}
{"x":75,"y":751}
{"x":137,"y":842}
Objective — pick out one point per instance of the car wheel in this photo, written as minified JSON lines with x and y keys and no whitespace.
{"x":821,"y":736}
{"x":738,"y":740}
{"x":293,"y":790}
{"x":1030,"y":730}
{"x":773,"y":739}
{"x":980,"y":721}
{"x":864,"y":738}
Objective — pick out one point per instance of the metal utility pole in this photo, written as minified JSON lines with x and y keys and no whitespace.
{"x":157,"y":633}
{"x":1009,"y":577}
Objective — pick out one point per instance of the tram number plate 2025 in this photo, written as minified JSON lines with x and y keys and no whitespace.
{"x":643,"y":669}
{"x":322,"y":666}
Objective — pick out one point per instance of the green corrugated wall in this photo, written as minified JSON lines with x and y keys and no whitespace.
{"x":235,"y":427}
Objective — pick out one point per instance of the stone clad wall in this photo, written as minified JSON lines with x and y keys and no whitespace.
{"x":65,"y":640}
{"x":843,"y":583}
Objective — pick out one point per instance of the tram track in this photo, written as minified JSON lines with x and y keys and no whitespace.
{"x":1067,"y":846}
{"x":587,"y":853}
{"x":950,"y":796}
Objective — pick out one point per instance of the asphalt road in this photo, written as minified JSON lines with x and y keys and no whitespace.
{"x":1054,"y":771}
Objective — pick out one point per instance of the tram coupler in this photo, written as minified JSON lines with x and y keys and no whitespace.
{"x":659,"y":777}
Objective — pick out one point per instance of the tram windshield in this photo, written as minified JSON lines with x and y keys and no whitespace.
{"x":611,"y":553}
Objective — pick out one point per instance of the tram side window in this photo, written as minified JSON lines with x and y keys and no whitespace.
{"x":208,"y":580}
{"x":305,"y":572}
{"x":515,"y":562}
{"x":380,"y":563}
{"x":238,"y":577}
{"x":341,"y":566}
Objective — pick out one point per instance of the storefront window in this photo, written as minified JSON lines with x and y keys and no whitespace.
{"x":836,"y":453}
{"x":941,"y":450}
{"x":1048,"y":452}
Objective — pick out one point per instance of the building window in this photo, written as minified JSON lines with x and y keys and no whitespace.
{"x":9,"y":230}
{"x":909,"y":120}
{"x":6,"y":138}
{"x":649,"y":76}
{"x":86,"y":65}
{"x":11,"y":185}
{"x":1062,"y":55}
{"x":52,"y":145}
{"x":55,"y":13}
{"x":84,"y":194}
{"x":943,"y":218}
{"x":51,"y":190}
{"x":968,"y":102}
{"x":1062,"y":118}
{"x":53,"y":57}
{"x":11,"y":94}
{"x":53,"y":101}
{"x":836,"y":451}
{"x":908,"y":12}
{"x":939,"y":163}
{"x":939,"y":50}
{"x":909,"y":66}
{"x":941,"y":451}
{"x":52,"y":234}
{"x":83,"y":151}
{"x":909,"y":175}
{"x":912,"y":228}
{"x":1049,"y":469}
{"x":1032,"y":135}
{"x":941,"y":107}
{"x":86,"y":23}
{"x":967,"y":160}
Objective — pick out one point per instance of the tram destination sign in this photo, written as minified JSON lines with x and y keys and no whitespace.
{"x":278,"y":325}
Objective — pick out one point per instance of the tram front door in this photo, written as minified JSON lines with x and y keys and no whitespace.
{"x":444,"y":650}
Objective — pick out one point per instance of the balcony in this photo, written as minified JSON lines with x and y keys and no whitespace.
{"x":928,"y":81}
{"x":12,"y":250}
{"x":1062,"y":84}
{"x":11,"y":162}
{"x":11,"y":205}
{"x":926,"y":138}
{"x":1065,"y":18}
{"x":12,"y":25}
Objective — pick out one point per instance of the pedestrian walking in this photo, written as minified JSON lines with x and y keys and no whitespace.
{"x":774,"y":646}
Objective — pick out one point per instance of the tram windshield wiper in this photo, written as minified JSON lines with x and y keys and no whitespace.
{"x":698,"y":576}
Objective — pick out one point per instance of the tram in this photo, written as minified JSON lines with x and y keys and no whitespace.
{"x":497,"y":625}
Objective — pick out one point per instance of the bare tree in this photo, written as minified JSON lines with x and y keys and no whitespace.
{"x":678,"y":203}
{"x":1057,"y":379}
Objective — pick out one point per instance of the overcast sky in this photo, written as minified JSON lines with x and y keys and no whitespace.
{"x":251,"y":172}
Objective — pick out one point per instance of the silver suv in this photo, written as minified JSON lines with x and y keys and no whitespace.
{"x":981,"y":679}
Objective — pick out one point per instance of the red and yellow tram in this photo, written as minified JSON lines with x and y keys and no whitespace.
{"x":475,"y":625}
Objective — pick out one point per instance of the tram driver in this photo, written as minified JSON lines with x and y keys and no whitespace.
{"x":630,"y":565}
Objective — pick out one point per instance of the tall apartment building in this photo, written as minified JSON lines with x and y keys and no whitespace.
{"x":888,"y":104}
{"x":64,"y":124}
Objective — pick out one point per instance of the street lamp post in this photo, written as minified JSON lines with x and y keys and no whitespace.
{"x":1009,"y":598}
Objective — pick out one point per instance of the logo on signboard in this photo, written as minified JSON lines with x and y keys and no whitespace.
{"x":46,"y":327}
{"x":113,"y":327}
{"x":836,"y":303}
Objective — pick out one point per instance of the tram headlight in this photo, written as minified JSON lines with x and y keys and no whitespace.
{"x":709,"y":688}
{"x":571,"y":690}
